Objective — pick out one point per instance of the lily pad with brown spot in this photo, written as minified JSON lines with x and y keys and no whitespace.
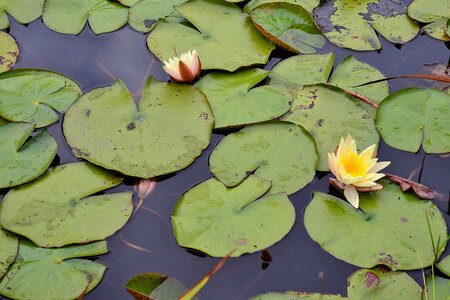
{"x":53,"y":274}
{"x":288,"y":26}
{"x":217,"y":220}
{"x":390,"y":228}
{"x":353,"y":24}
{"x":165,"y":133}
{"x":9,"y":52}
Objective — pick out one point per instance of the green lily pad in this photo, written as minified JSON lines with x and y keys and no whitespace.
{"x":281,"y":152}
{"x":150,"y":286}
{"x":23,"y":160}
{"x":8,"y":250}
{"x":144,"y":14}
{"x":229,"y":44}
{"x":70,"y":16}
{"x":28,"y":95}
{"x":311,"y":109}
{"x":412,"y":117}
{"x":437,"y":288}
{"x":352,"y":24}
{"x":289,"y":26}
{"x":3,"y":121}
{"x":390,"y":229}
{"x":316,"y":68}
{"x":444,"y":265}
{"x":169,"y":129}
{"x":379,"y":284}
{"x":234,"y":104}
{"x":435,"y":12}
{"x":55,"y":209}
{"x":128,"y":3}
{"x":24,"y":11}
{"x":9,"y":52}
{"x":216,"y":219}
{"x":306,"y":4}
{"x":53,"y":274}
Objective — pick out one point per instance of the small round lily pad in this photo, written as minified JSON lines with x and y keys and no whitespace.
{"x":217,"y":220}
{"x":281,"y":152}
{"x":53,"y":274}
{"x":413,"y":117}
{"x":164,"y":134}
{"x":235,"y":103}
{"x":9,"y":52}
{"x":22,"y":160}
{"x":55,"y":209}
{"x":390,"y":228}
{"x":8,"y":250}
{"x":288,"y":26}
{"x":31,"y":95}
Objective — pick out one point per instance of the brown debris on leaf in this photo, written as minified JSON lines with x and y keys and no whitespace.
{"x":421,"y":190}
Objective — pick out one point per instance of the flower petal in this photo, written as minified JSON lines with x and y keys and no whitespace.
{"x":379,"y":166}
{"x":351,"y":194}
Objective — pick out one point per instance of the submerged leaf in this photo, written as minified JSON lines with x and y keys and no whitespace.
{"x":144,"y":14}
{"x":311,"y":109}
{"x":229,"y":44}
{"x":8,"y":250}
{"x":70,"y":16}
{"x":22,"y":160}
{"x":419,"y":189}
{"x":24,"y":11}
{"x":9,"y":52}
{"x":218,"y":220}
{"x":288,"y":26}
{"x":28,"y":95}
{"x":235,"y":103}
{"x":352,"y":24}
{"x":413,"y":117}
{"x":55,"y":209}
{"x":281,"y":152}
{"x":53,"y":274}
{"x":164,"y":134}
{"x":390,"y":229}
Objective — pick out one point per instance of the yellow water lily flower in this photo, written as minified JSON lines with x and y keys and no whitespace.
{"x":185,"y":68}
{"x":355,"y":172}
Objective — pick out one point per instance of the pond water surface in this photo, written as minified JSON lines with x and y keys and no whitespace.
{"x":146,"y":243}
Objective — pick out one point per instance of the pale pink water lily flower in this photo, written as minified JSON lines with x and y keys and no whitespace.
{"x":355,"y":172}
{"x":185,"y":68}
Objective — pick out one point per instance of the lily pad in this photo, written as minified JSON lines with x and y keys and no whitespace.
{"x":8,"y":250}
{"x":306,"y":4}
{"x":128,"y":3}
{"x":352,"y":24}
{"x":412,"y":117}
{"x":169,"y":129}
{"x":444,"y":265}
{"x":23,"y":160}
{"x":379,"y":284}
{"x":435,"y":12}
{"x":217,"y":220}
{"x":311,"y":109}
{"x":316,"y":68}
{"x":437,"y":288}
{"x":296,"y":296}
{"x":54,"y":210}
{"x":145,"y":13}
{"x":234,"y":104}
{"x":24,"y":11}
{"x":289,"y":26}
{"x":9,"y":52}
{"x":150,"y":286}
{"x":390,"y":229}
{"x":281,"y":152}
{"x":229,"y":44}
{"x":70,"y":16}
{"x":3,"y":121}
{"x":28,"y":95}
{"x":53,"y":274}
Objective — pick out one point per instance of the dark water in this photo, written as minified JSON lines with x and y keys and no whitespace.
{"x":297,"y":262}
